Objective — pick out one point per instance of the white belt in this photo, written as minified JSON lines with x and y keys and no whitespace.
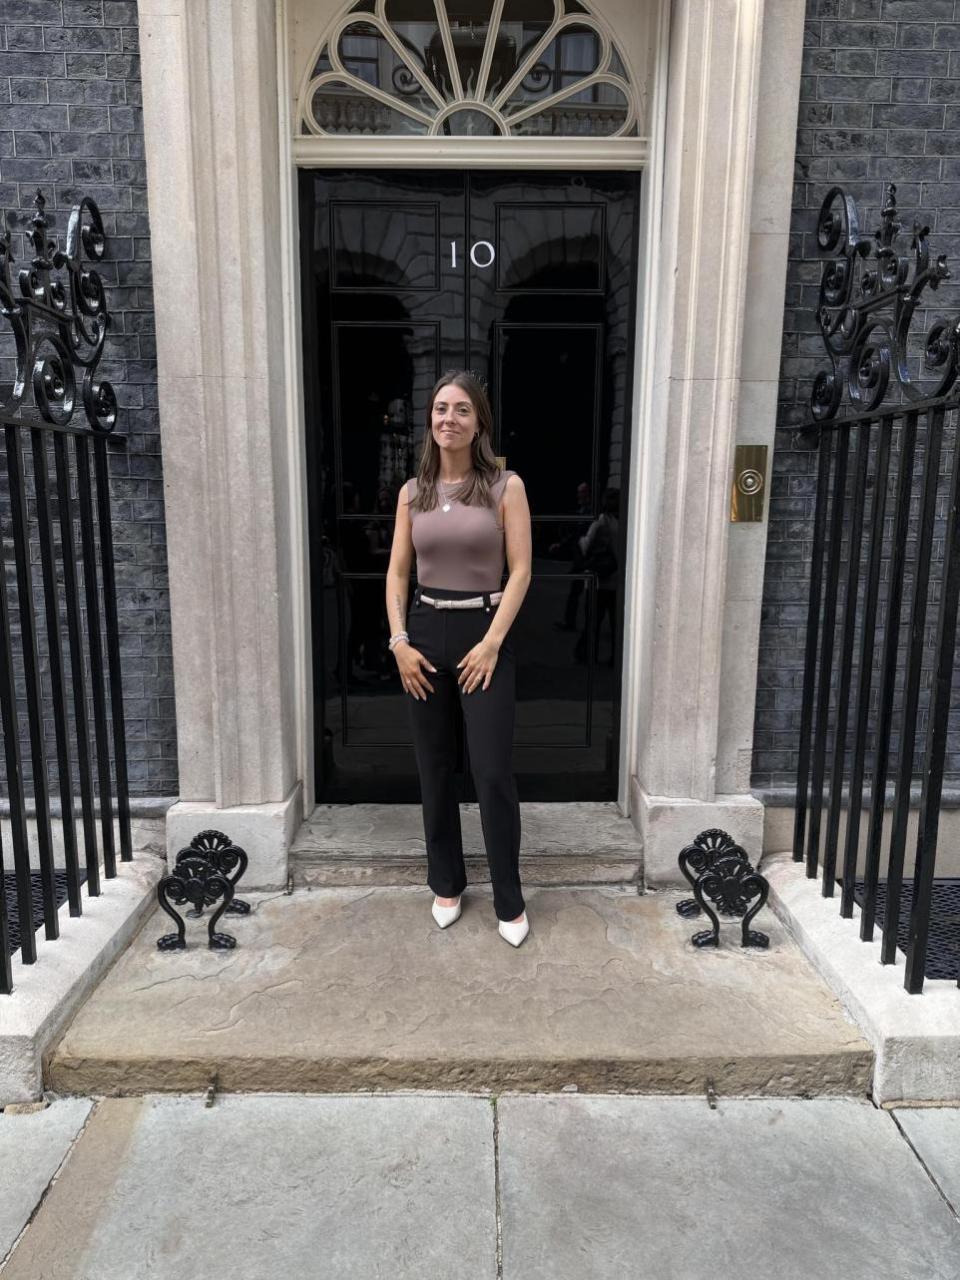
{"x":471,"y":602}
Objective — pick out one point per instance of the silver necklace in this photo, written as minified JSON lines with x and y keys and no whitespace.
{"x":452,"y":484}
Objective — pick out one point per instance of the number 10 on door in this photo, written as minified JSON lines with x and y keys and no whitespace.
{"x":482,"y":253}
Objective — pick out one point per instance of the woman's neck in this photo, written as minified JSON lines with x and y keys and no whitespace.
{"x":458,"y":475}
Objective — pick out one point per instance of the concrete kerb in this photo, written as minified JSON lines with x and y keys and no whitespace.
{"x":916,"y":1038}
{"x":47,"y":994}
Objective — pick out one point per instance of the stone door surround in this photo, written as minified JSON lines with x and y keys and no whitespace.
{"x":722,"y":95}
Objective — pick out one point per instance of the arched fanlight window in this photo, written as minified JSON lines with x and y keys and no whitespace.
{"x":469,"y":67}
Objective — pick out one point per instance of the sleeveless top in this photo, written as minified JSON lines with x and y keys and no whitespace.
{"x":461,"y":549}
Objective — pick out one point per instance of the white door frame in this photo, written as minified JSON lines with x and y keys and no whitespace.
{"x":625,"y":154}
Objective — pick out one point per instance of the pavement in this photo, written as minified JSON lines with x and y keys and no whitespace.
{"x":506,"y":1187}
{"x":333,"y":990}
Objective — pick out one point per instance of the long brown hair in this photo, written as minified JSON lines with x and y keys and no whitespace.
{"x":486,"y":470}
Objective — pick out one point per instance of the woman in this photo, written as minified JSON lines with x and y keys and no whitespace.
{"x":460,"y":516}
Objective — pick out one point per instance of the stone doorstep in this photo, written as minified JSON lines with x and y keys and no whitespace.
{"x":916,"y":1038}
{"x":370,"y":844}
{"x":349,"y":990}
{"x":48,"y":993}
{"x":343,"y":870}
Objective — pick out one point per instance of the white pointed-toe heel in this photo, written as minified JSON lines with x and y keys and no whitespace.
{"x":445,"y":915}
{"x":515,"y":931}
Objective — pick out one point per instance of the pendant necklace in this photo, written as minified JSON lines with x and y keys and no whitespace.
{"x":443,"y":484}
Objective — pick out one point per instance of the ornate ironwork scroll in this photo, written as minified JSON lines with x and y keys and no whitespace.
{"x":227,"y":858}
{"x":204,"y":873}
{"x":696,"y":858}
{"x":870,"y":292}
{"x":194,"y":881}
{"x":59,"y":323}
{"x":724,"y":884}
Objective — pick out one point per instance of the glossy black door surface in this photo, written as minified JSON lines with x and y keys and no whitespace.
{"x":528,"y":279}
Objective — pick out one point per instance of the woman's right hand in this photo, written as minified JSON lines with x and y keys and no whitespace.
{"x":409,"y":663}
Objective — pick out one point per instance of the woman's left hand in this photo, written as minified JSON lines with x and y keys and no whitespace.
{"x":478,"y":665}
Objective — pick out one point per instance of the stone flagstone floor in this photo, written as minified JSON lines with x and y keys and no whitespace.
{"x":344,"y":989}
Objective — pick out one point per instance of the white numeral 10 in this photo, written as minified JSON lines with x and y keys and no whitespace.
{"x":487,"y":251}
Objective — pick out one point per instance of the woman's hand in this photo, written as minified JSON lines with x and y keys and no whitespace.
{"x":478,"y":665}
{"x":409,"y":662}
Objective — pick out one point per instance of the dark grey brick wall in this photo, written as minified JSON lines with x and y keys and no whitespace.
{"x":70,"y":122}
{"x":879,"y":103}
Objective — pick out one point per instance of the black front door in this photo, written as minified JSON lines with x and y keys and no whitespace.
{"x":528,"y":280}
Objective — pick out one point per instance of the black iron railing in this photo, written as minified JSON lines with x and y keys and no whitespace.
{"x":59,"y":635}
{"x":884,"y":589}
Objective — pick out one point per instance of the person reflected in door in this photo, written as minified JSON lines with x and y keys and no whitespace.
{"x":461,"y":517}
{"x":354,"y":560}
{"x":599,"y":546}
{"x":568,"y":548}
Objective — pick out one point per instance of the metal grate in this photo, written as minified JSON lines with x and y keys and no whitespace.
{"x":36,"y":895}
{"x":943,"y":953}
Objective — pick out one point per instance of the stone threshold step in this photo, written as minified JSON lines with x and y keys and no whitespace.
{"x":370,"y":844}
{"x":345,"y":990}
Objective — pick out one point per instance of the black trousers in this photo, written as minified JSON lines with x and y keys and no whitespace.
{"x":444,"y":637}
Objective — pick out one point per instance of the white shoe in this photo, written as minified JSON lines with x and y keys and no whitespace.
{"x":445,"y":915}
{"x":514,"y":932}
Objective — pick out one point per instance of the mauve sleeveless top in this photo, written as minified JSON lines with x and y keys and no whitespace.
{"x":461,"y":549}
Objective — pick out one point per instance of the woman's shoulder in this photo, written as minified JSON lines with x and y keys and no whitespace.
{"x":410,"y":488}
{"x":504,"y":478}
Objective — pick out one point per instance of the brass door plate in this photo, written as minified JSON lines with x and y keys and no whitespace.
{"x":749,"y":483}
{"x":501,"y":463}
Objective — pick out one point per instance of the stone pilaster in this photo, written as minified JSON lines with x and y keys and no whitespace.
{"x":701,"y":652}
{"x":212,"y":143}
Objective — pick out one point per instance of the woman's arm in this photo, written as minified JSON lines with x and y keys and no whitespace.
{"x":477,"y":666}
{"x":401,"y":562}
{"x":410,"y":661}
{"x":518,"y":544}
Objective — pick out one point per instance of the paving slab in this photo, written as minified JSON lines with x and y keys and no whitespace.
{"x":333,"y":990}
{"x":666,"y":1189}
{"x":32,"y":1148}
{"x":935,"y":1135}
{"x":341,"y":1187}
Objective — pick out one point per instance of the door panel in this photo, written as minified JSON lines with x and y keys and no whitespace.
{"x":528,"y":280}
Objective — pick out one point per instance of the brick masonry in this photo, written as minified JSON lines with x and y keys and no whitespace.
{"x":879,"y":103}
{"x":70,"y":122}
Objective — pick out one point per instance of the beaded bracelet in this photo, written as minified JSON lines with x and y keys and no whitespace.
{"x":395,"y":640}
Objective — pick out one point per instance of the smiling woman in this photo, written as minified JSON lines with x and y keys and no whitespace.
{"x":453,"y":642}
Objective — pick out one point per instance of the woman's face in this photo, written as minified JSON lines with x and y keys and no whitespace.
{"x":453,"y":418}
